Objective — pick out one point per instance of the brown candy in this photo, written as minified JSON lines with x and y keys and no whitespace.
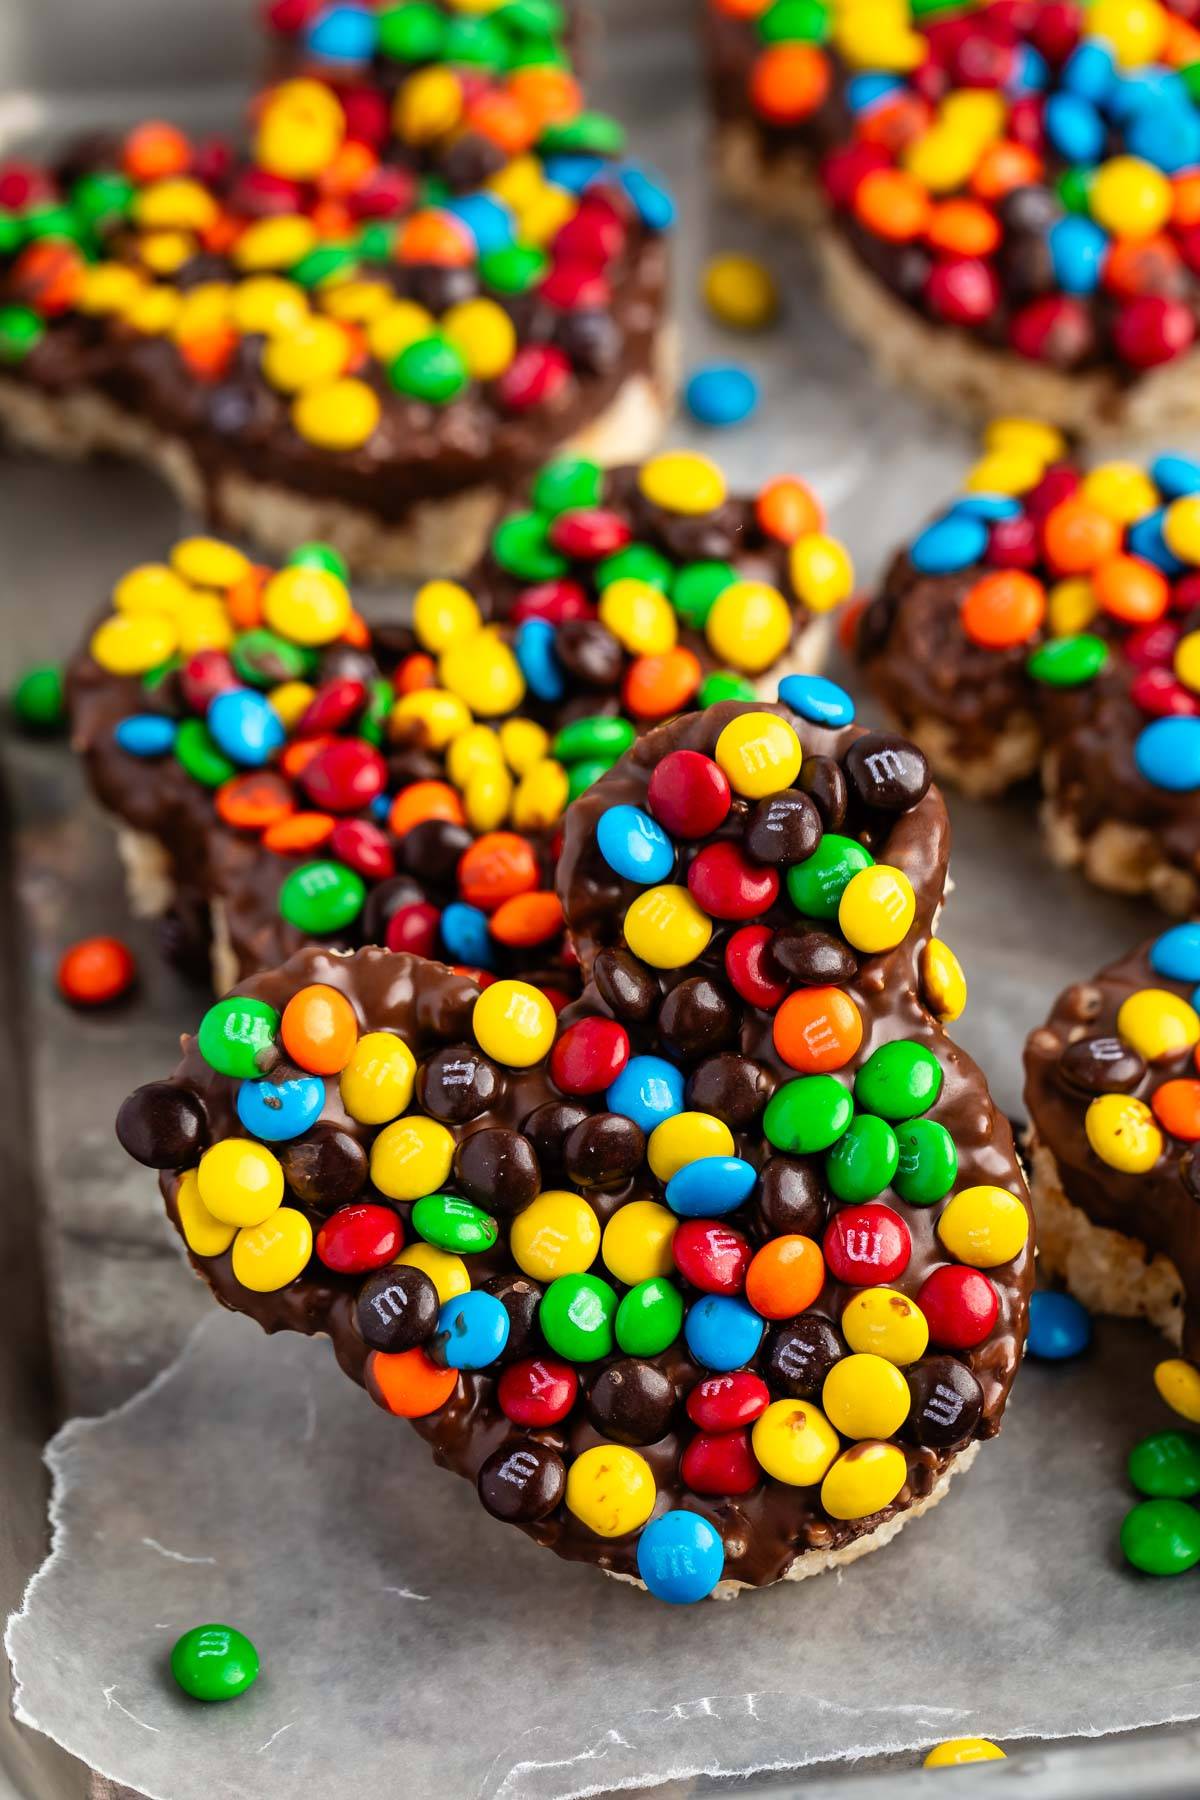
{"x":631,"y":1401}
{"x":800,"y":1355}
{"x":1100,"y":1065}
{"x":590,"y":652}
{"x":731,"y":1087}
{"x":498,"y":1170}
{"x":822,"y":779}
{"x":547,"y":1127}
{"x":397,"y":1308}
{"x":886,"y":773}
{"x":325,"y":1168}
{"x":696,"y":1016}
{"x":163,"y":1126}
{"x":522,"y":1481}
{"x":791,"y":1198}
{"x":784,"y":828}
{"x":626,"y":986}
{"x":813,"y":957}
{"x":947,"y":1403}
{"x":432,"y":851}
{"x":604,"y":1150}
{"x":520,"y":1297}
{"x":458,"y":1083}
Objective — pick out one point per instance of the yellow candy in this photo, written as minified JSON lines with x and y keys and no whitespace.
{"x":487,"y":798}
{"x":202,"y":309}
{"x":666,"y":928}
{"x":428,"y":105}
{"x":865,"y":1396}
{"x":240,"y":1181}
{"x":1181,"y":527}
{"x":639,"y":617}
{"x":208,"y":562}
{"x":978,"y":113}
{"x":1136,"y":29}
{"x":357,"y":302}
{"x":478,"y":748}
{"x":1070,"y":606}
{"x":443,"y":611}
{"x":341,"y":416}
{"x":485,"y":675}
{"x":1130,"y":197}
{"x":163,"y":252}
{"x":685,"y":1138}
{"x":558,"y":1234}
{"x":134,"y":643}
{"x":740,"y":291}
{"x":411,"y":1158}
{"x":309,"y":606}
{"x":760,"y":754}
{"x":942,"y":159}
{"x":1178,"y":1383}
{"x":682,"y":482}
{"x":541,"y":796}
{"x":300,"y":129}
{"x":884,"y":1322}
{"x":154,"y":311}
{"x":267,"y":304}
{"x":109,"y":287}
{"x":794,"y":1442}
{"x":541,"y":217}
{"x":203,"y":624}
{"x":821,"y":571}
{"x":749,"y":626}
{"x":431,"y":717}
{"x":151,"y":587}
{"x":1031,"y":437}
{"x":518,"y":182}
{"x":291,"y":700}
{"x":267,"y":1256}
{"x":864,"y":1480}
{"x":514,"y":1023}
{"x":377,"y":1083}
{"x":275,"y":243}
{"x":401,"y":325}
{"x":1005,"y":472}
{"x":943,"y":983}
{"x":176,"y":203}
{"x":610,"y":1490}
{"x":447,"y":1272}
{"x":637,"y":1241}
{"x":984,"y":1226}
{"x":877,"y":908}
{"x":312,"y":354}
{"x":204,"y":1233}
{"x":484,"y":333}
{"x":1158,"y":1024}
{"x":1122,"y":490}
{"x":524,"y":744}
{"x":1187,"y":660}
{"x":1123,"y":1133}
{"x":954,"y":1752}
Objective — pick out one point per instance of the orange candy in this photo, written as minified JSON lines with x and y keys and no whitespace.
{"x":742,"y":9}
{"x":353,"y":164}
{"x":356,"y":632}
{"x":208,"y":354}
{"x":1078,"y":536}
{"x":295,"y":757}
{"x":319,"y":1029}
{"x":896,"y":122}
{"x":818,"y":1030}
{"x":153,"y":150}
{"x":656,"y":686}
{"x":1128,"y":588}
{"x":785,"y":1277}
{"x":425,"y":800}
{"x":48,"y":276}
{"x":526,"y":920}
{"x":788,"y":82}
{"x":547,"y":95}
{"x":409,"y":1384}
{"x":892,"y":204}
{"x":96,"y":971}
{"x":253,"y":801}
{"x":1003,"y":167}
{"x":1148,"y":267}
{"x":1003,"y":609}
{"x":435,"y":237}
{"x":243,"y":600}
{"x":497,"y":867}
{"x":301,"y":832}
{"x":963,"y":228}
{"x":502,"y":118}
{"x":1176,"y":1106}
{"x":788,"y":509}
{"x":415,"y":672}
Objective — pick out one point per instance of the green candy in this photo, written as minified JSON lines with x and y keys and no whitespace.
{"x":650,"y":1317}
{"x":432,"y":190}
{"x":236,"y":1036}
{"x":898,"y":1080}
{"x":1069,"y":661}
{"x":103,"y":197}
{"x":412,"y":33}
{"x":21,"y":331}
{"x":319,"y":556}
{"x":263,"y":659}
{"x":53,"y":222}
{"x":514,"y":269}
{"x":795,"y":21}
{"x":636,"y":562}
{"x":476,"y":42}
{"x":454,"y":1224}
{"x":1190,"y":76}
{"x":433,"y":369}
{"x":593,"y":133}
{"x":1162,"y":1537}
{"x":1166,"y":1465}
{"x":1074,"y":186}
{"x":724,"y":686}
{"x":521,"y":545}
{"x":928,"y":1162}
{"x":538,"y":53}
{"x":696,"y":588}
{"x":576,"y":1316}
{"x":321,"y":897}
{"x":38,"y":701}
{"x":12,"y":233}
{"x":807,"y":1115}
{"x":864,"y":1159}
{"x":196,"y":750}
{"x":319,"y":264}
{"x":817,"y":884}
{"x":214,"y":1662}
{"x":567,"y":484}
{"x":580,"y":776}
{"x":599,"y":737}
{"x":533,"y":18}
{"x":376,"y":242}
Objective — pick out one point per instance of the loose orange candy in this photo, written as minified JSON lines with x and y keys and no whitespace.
{"x":817,"y":1030}
{"x":319,"y":1029}
{"x":788,"y":82}
{"x":1132,"y":590}
{"x":1078,"y":536}
{"x":1003,"y":609}
{"x":892,"y":204}
{"x":785,"y":1277}
{"x":497,"y":867}
{"x":153,"y":150}
{"x":253,"y":801}
{"x":416,"y":672}
{"x":787,"y":509}
{"x":409,"y":1383}
{"x":48,"y":276}
{"x":425,"y":800}
{"x":1147,"y":267}
{"x":301,"y":832}
{"x":1176,"y":1106}
{"x":963,"y":228}
{"x":527,"y":920}
{"x":435,"y":237}
{"x":547,"y":95}
{"x":243,"y":601}
{"x":657,"y":686}
{"x":208,"y":354}
{"x":96,"y":971}
{"x":503,"y":119}
{"x":1003,"y":167}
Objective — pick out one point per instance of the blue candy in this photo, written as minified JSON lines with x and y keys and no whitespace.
{"x":487,"y":219}
{"x":680,"y":1557}
{"x":1074,"y":127}
{"x":472,"y":1330}
{"x":246,"y":727}
{"x":1167,"y":135}
{"x":573,"y":171}
{"x":1167,"y":753}
{"x":1032,"y":72}
{"x":721,"y":394}
{"x":277,"y":1112}
{"x":1175,"y":475}
{"x":865,"y":91}
{"x":1141,"y":89}
{"x":722,"y":1332}
{"x":986,"y":506}
{"x":534,"y":647}
{"x":1077,"y":250}
{"x":465,"y":935}
{"x":710,"y":1186}
{"x":381,"y":806}
{"x":817,"y":699}
{"x":950,"y":543}
{"x":1176,"y":954}
{"x":648,"y":1090}
{"x":343,"y":34}
{"x":1058,"y":1326}
{"x":653,"y":204}
{"x":1091,"y":71}
{"x":1145,"y":539}
{"x":145,"y":734}
{"x":634,"y":846}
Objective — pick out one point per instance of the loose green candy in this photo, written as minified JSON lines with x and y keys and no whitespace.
{"x":568,"y":484}
{"x":432,"y":369}
{"x":102,"y":196}
{"x":696,"y":588}
{"x":636,"y":562}
{"x":580,"y":776}
{"x":724,"y":686}
{"x":817,"y":884}
{"x":322,"y":896}
{"x":214,"y":1662}
{"x":807,"y":1114}
{"x":928,"y":1162}
{"x":521,"y":545}
{"x":477,"y":42}
{"x":576,"y":1316}
{"x":1166,"y":1465}
{"x":373,"y":723}
{"x":650,"y":1317}
{"x":432,"y":190}
{"x":538,"y":53}
{"x":376,"y":242}
{"x":319,"y":264}
{"x":602,"y":737}
{"x":38,"y":701}
{"x":1162,"y":1537}
{"x":20,"y":332}
{"x":236,"y":1035}
{"x":514,"y":269}
{"x":1069,"y":661}
{"x":454,"y":1224}
{"x":795,"y":21}
{"x":534,"y":18}
{"x":864,"y":1159}
{"x":898,"y":1080}
{"x":596,"y":134}
{"x":412,"y":33}
{"x":197,"y":751}
{"x":263,"y":659}
{"x":319,"y":556}
{"x":54,"y":222}
{"x":1074,"y":186}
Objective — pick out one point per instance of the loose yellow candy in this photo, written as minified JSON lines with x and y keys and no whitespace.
{"x":1181,"y":527}
{"x":984,"y":1226}
{"x":665,"y":927}
{"x":1130,"y":197}
{"x":154,"y":311}
{"x":411,"y":1158}
{"x":475,"y":749}
{"x":1031,"y":437}
{"x":203,"y":308}
{"x":514,"y":1023}
{"x":1009,"y":471}
{"x":151,"y":587}
{"x":760,"y":754}
{"x":341,"y":416}
{"x":267,"y":1256}
{"x":1136,"y":29}
{"x":134,"y":643}
{"x":610,"y":1490}
{"x":268,"y":304}
{"x":428,"y":106}
{"x":821,"y":571}
{"x":942,"y":981}
{"x":749,"y":626}
{"x":541,"y":796}
{"x":681,"y":482}
{"x":431,"y":718}
{"x":487,"y":797}
{"x":485,"y":675}
{"x":977,"y":113}
{"x":684,"y":1139}
{"x":884,"y":1322}
{"x":1178,"y":1382}
{"x":954,"y":1752}
{"x":109,"y":288}
{"x":444,"y":613}
{"x":277,"y":243}
{"x":740,"y":291}
{"x":203,"y":624}
{"x":204,"y":1233}
{"x":177,"y":203}
{"x":557,"y":1234}
{"x":864,"y":1480}
{"x":240,"y":1181}
{"x":311,"y":355}
{"x":1158,"y":1024}
{"x":637,"y":1241}
{"x":794,"y":1442}
{"x":640,"y":618}
{"x":484,"y":333}
{"x":1070,"y":606}
{"x":1123,"y":1133}
{"x":1121,"y":490}
{"x":163,"y":252}
{"x":301,"y":127}
{"x":541,"y":217}
{"x":877,"y":908}
{"x":942,"y":159}
{"x":377,"y":1083}
{"x":357,"y":302}
{"x":865,"y":1396}
{"x":207,"y":562}
{"x":447,"y":1272}
{"x":309,"y":606}
{"x":524,"y":744}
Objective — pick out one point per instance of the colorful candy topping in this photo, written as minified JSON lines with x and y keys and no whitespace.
{"x":955,"y":1752}
{"x":38,"y":701}
{"x":214,"y":1662}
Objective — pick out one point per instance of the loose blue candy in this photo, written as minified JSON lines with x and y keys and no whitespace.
{"x":950,"y":543}
{"x":1167,"y":753}
{"x":246,"y":727}
{"x":1090,"y":70}
{"x":343,"y":34}
{"x":1032,"y":72}
{"x":472,"y":1330}
{"x":648,"y":1090}
{"x":710,"y":1186}
{"x":680,"y":1557}
{"x":1145,"y":539}
{"x":865,"y":91}
{"x":1175,"y":475}
{"x":721,"y":394}
{"x":145,"y":734}
{"x":634,"y":845}
{"x":573,"y":171}
{"x":1077,"y":250}
{"x":653,"y":204}
{"x":987,"y":506}
{"x":466,"y":937}
{"x":722,"y":1332}
{"x":817,"y":699}
{"x":487,"y":219}
{"x":1167,"y":135}
{"x":1176,"y":954}
{"x":276,"y":1112}
{"x":1074,"y":127}
{"x":535,"y":652}
{"x":1146,"y":89}
{"x":1058,"y":1326}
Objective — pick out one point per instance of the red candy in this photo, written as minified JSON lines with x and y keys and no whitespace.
{"x":1153,"y":329}
{"x":332,"y":707}
{"x":536,"y":374}
{"x":689,"y":794}
{"x":363,"y":848}
{"x":963,"y":290}
{"x":365,"y":1236}
{"x":1151,"y":646}
{"x":344,"y":775}
{"x":960,"y":1306}
{"x":204,"y":676}
{"x":589,"y":1056}
{"x":1012,"y":544}
{"x":748,"y":966}
{"x":723,"y":1463}
{"x":1158,"y":693}
{"x":555,"y":601}
{"x":728,"y":1402}
{"x":728,"y":885}
{"x":867,"y":1246}
{"x":575,"y":287}
{"x":537,"y":1392}
{"x":96,"y":971}
{"x":595,"y":235}
{"x":414,"y":927}
{"x":590,"y":534}
{"x":1054,"y":329}
{"x":713,"y":1257}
